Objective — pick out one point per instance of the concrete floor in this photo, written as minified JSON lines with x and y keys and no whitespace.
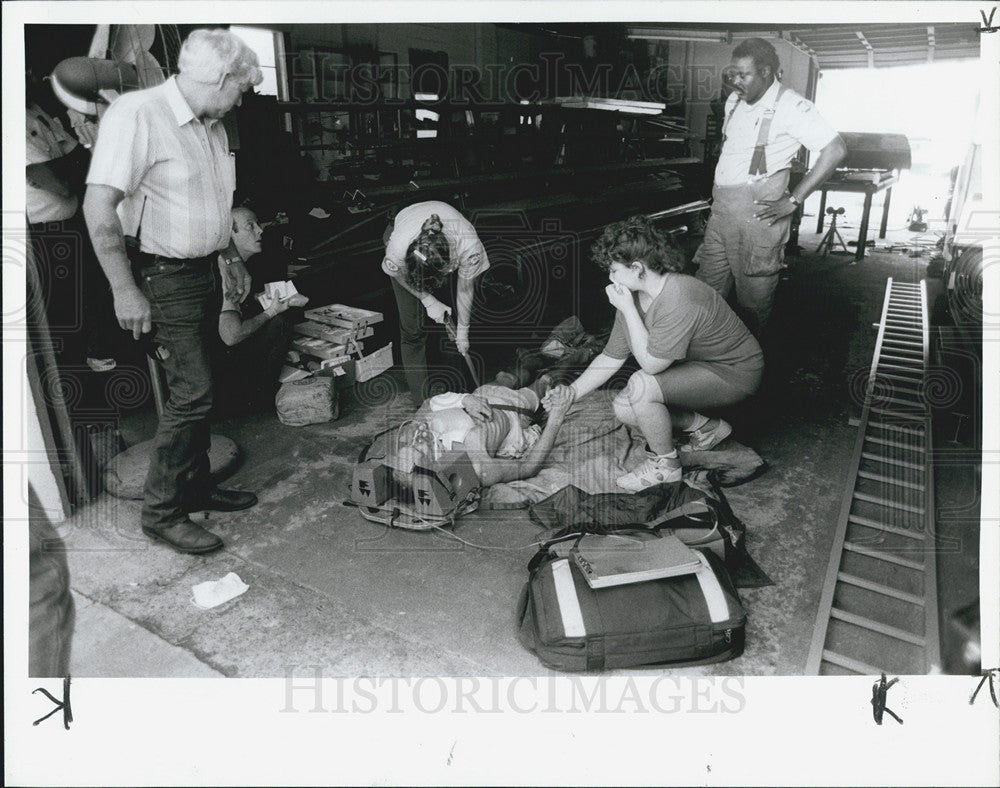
{"x":329,"y":588}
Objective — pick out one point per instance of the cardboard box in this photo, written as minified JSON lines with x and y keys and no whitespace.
{"x":344,"y":316}
{"x":289,"y":373}
{"x":320,"y":348}
{"x":367,"y":367}
{"x":332,"y":334}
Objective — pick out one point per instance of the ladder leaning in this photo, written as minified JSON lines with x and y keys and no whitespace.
{"x":878,"y":608}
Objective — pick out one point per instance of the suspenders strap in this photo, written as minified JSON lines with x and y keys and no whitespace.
{"x":758,"y":164}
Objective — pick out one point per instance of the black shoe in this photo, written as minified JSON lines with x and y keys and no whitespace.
{"x":185,"y":537}
{"x":219,"y":500}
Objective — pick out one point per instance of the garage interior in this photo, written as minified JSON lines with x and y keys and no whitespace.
{"x":542,"y":165}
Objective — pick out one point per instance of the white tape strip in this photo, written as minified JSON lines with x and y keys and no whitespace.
{"x":718,"y":609}
{"x":569,"y":605}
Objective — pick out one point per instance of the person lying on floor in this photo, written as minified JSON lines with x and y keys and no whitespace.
{"x":493,"y":426}
{"x":693,"y":351}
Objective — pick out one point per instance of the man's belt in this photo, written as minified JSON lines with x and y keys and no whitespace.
{"x":516,"y":409}
{"x":141,"y":259}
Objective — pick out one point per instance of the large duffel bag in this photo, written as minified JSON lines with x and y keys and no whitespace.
{"x":699,"y":516}
{"x":687,"y":620}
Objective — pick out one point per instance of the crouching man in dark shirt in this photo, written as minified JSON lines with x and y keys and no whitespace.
{"x":254,"y":339}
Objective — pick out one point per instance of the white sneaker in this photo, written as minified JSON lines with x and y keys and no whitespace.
{"x":652,"y":472}
{"x":705,"y":440}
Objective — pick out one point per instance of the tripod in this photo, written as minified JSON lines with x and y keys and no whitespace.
{"x":826,"y":245}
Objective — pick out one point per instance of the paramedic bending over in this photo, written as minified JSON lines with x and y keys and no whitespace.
{"x":426,"y":243}
{"x":692,"y":349}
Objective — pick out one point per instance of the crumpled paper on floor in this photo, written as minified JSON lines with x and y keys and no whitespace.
{"x":213,"y":593}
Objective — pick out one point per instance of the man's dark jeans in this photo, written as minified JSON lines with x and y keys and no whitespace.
{"x":181,"y":296}
{"x":246,"y":375}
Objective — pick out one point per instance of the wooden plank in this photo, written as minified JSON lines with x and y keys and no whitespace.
{"x":883,"y":556}
{"x":877,"y":626}
{"x":892,"y":461}
{"x":914,"y":416}
{"x":909,"y":533}
{"x":909,"y":390}
{"x":903,"y":428}
{"x":902,"y":354}
{"x":931,"y":627}
{"x":875,"y":477}
{"x":850,"y":664}
{"x":892,"y":376}
{"x":878,"y":588}
{"x":890,"y":504}
{"x":894,"y":444}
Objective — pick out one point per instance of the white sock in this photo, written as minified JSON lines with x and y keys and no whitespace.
{"x":697,"y":422}
{"x":670,"y":455}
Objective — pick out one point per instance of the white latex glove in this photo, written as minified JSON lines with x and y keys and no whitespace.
{"x":462,"y":339}
{"x":436,"y":311}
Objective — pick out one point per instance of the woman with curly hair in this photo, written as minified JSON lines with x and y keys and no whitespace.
{"x":425,"y":244}
{"x":693,"y":352}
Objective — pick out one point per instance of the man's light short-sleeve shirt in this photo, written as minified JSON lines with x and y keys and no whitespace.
{"x":796,"y":122}
{"x":176,"y":171}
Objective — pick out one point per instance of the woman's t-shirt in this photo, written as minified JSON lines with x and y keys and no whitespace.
{"x":468,"y":256}
{"x":690,"y":321}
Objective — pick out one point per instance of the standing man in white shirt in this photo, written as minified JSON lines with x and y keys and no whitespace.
{"x":158,"y":207}
{"x":765,"y":125}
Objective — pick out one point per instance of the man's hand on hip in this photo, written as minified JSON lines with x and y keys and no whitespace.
{"x":132,"y":310}
{"x":771,"y":211}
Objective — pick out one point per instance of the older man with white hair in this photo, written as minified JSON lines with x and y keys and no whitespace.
{"x":158,"y":208}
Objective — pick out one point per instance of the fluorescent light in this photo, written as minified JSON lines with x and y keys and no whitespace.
{"x":653,"y":34}
{"x":615,"y":105}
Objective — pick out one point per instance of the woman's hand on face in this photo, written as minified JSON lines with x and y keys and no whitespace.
{"x":619,"y":296}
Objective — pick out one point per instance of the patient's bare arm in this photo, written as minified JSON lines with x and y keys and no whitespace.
{"x":492,"y":470}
